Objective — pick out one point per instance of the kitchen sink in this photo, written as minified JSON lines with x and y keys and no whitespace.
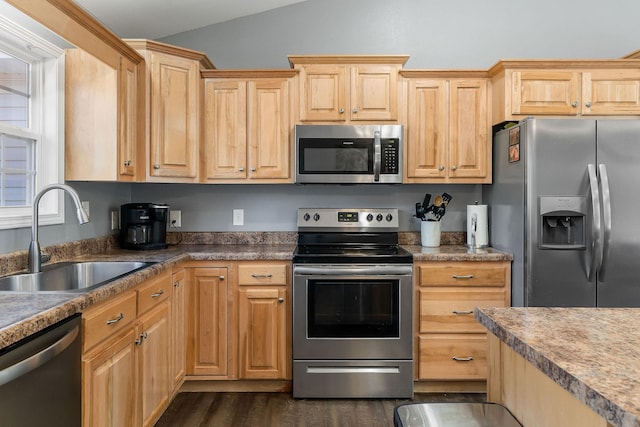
{"x":70,"y":276}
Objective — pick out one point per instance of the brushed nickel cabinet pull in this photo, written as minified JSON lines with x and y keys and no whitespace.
{"x":280,"y":299}
{"x":176,"y":285}
{"x":116,"y":320}
{"x":462,"y":311}
{"x":156,"y":166}
{"x":221,"y":277}
{"x":261,"y":276}
{"x":157,"y":294}
{"x":462,"y":359}
{"x":468,"y":276}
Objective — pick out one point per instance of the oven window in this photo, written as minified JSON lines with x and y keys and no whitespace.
{"x":353,"y":309}
{"x":354,"y":156}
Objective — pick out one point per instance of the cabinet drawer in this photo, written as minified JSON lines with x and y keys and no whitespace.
{"x":150,"y":294}
{"x":262,"y":274}
{"x":453,"y":357}
{"x":102,"y":321}
{"x":451,"y":309}
{"x":463,"y":274}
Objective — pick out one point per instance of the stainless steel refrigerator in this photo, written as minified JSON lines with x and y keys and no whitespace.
{"x":565,"y":200}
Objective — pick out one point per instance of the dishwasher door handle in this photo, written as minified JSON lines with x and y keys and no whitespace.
{"x":35,"y":361}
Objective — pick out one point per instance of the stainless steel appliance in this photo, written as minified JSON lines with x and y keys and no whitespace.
{"x":352,"y":306}
{"x":564,"y":201}
{"x":343,"y":154}
{"x":40,"y":381}
{"x":143,"y":226}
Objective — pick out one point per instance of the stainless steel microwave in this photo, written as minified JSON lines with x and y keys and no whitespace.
{"x":348,"y":154}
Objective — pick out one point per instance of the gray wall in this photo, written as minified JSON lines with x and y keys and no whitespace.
{"x":437,"y":34}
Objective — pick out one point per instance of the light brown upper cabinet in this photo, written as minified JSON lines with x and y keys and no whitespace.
{"x":172,"y":110}
{"x":248,"y":126}
{"x":447,"y":127}
{"x":103,"y":137}
{"x":565,"y":88}
{"x":348,"y":88}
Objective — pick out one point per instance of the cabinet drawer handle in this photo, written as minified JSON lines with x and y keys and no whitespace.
{"x":116,"y":320}
{"x":468,"y":276}
{"x":157,"y":294}
{"x":261,"y":276}
{"x":462,"y":311}
{"x":462,"y":359}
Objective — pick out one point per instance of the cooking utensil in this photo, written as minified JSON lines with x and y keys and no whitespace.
{"x":425,"y":202}
{"x":437,"y":201}
{"x":420,"y":211}
{"x":446,"y":198}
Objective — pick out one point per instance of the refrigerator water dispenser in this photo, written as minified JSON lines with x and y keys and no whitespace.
{"x":562,"y":222}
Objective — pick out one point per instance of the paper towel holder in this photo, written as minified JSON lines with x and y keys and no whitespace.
{"x":472,"y":230}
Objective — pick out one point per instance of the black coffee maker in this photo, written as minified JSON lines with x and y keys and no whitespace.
{"x":143,"y":226}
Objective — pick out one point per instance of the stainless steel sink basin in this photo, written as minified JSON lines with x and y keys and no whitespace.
{"x":70,"y":276}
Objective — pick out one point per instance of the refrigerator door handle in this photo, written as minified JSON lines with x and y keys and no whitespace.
{"x":606,"y":219}
{"x":595,"y":247}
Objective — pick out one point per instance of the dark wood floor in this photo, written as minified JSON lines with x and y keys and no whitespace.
{"x":280,"y":409}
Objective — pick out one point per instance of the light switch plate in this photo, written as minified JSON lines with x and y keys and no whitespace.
{"x":238,"y":217}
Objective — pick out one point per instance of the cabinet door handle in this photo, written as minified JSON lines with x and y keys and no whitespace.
{"x":253,"y":169}
{"x":468,"y":276}
{"x":156,"y":167}
{"x":441,"y":168}
{"x":461,"y":312}
{"x":143,"y":336}
{"x":240,"y":169}
{"x":176,"y":285}
{"x":454,"y":167}
{"x":280,"y":300}
{"x":116,"y":320}
{"x":462,"y":359}
{"x":221,"y":277}
{"x":157,"y":294}
{"x":355,"y":110}
{"x":574,"y":104}
{"x":261,"y":276}
{"x":341,"y":111}
{"x":588,"y":104}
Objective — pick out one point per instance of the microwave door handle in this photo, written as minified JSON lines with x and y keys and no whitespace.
{"x":377,"y":155}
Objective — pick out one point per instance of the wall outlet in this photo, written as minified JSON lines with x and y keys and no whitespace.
{"x":175,"y":219}
{"x":115,"y":220}
{"x":238,"y":217}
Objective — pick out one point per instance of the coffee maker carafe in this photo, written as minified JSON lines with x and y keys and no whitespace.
{"x":143,"y":226}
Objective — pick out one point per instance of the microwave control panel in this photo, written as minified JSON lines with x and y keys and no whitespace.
{"x":389,"y":163}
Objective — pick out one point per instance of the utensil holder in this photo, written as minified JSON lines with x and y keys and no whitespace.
{"x":430,"y":233}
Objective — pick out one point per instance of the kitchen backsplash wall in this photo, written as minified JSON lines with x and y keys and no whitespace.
{"x":274,"y":207}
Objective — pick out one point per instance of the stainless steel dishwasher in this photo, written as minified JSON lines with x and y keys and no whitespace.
{"x":40,"y":378}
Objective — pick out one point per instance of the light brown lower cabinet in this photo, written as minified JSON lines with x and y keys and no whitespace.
{"x":450,"y":348}
{"x":126,"y":379}
{"x":239,"y":320}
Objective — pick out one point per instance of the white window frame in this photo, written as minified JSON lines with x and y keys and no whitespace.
{"x":46,"y":121}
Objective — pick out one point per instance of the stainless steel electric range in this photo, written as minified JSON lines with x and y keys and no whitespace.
{"x":352,"y":306}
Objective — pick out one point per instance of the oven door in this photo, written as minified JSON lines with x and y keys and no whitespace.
{"x":352,"y":312}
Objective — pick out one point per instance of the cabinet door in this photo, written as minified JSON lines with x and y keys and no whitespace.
{"x":546,"y":92}
{"x":323,"y":93}
{"x":174,"y":107}
{"x":469,"y":141}
{"x":128,"y":120}
{"x":262,"y":333}
{"x":374,"y":92}
{"x":207,"y":348}
{"x":611,"y":92}
{"x":225,"y":129}
{"x":109,"y":388}
{"x":153,"y":363}
{"x":427,"y":130}
{"x":268,"y":129}
{"x":178,"y":352}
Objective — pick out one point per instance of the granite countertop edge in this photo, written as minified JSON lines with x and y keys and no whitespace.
{"x":492,"y":318}
{"x":23,"y":314}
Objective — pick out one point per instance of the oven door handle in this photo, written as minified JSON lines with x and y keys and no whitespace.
{"x":334,"y":270}
{"x":377,"y":156}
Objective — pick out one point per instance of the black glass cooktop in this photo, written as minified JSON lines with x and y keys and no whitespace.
{"x":360,"y":254}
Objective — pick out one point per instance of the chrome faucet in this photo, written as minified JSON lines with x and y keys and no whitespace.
{"x":34,"y":256}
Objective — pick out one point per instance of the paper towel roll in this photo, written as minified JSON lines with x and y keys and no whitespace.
{"x":477,"y":226}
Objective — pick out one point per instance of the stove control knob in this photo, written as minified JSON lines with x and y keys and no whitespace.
{"x":370,"y":217}
{"x":316,"y":217}
{"x":379,"y":217}
{"x":389,"y":217}
{"x":306,"y":217}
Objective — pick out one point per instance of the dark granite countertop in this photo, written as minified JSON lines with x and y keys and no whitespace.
{"x":22,"y":314}
{"x":593,"y":353}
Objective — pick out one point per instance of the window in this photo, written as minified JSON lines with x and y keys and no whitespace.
{"x":31,"y":125}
